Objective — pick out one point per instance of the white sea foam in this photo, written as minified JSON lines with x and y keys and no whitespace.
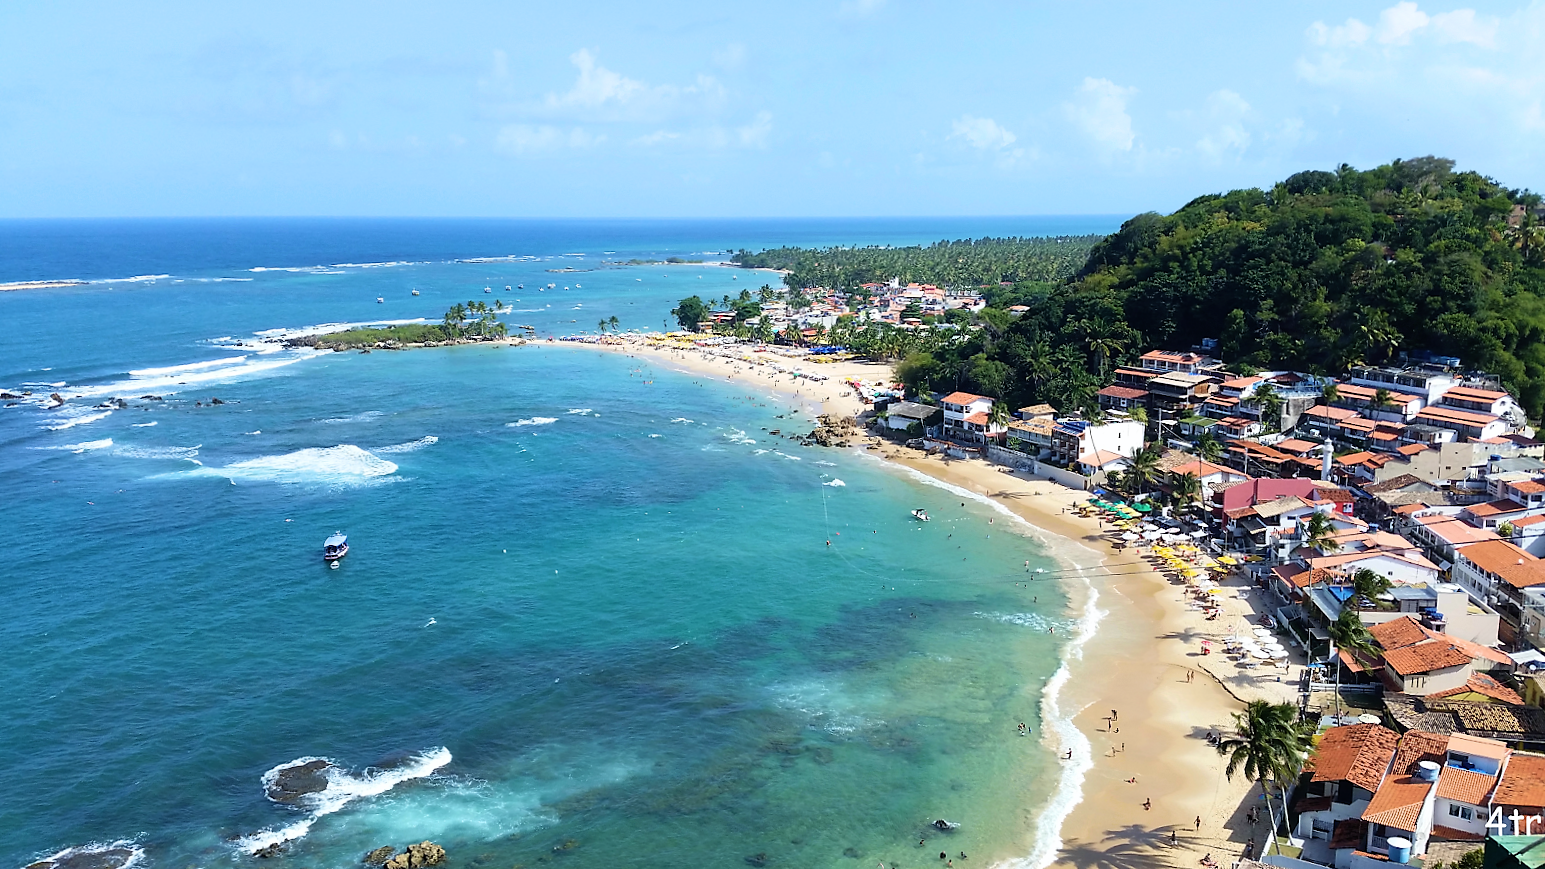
{"x":535,"y":420}
{"x":144,"y":424}
{"x":834,"y":483}
{"x":358,"y":417}
{"x":137,"y":279}
{"x":827,"y":708}
{"x":825,"y":464}
{"x":410,"y":446}
{"x":371,"y":265}
{"x":343,"y":787}
{"x":1058,"y":722}
{"x":682,"y":419}
{"x":191,"y":366}
{"x":654,"y":435}
{"x":82,"y":447}
{"x":580,"y":410}
{"x":132,"y":854}
{"x":78,"y":418}
{"x":757,"y":452}
{"x":787,"y":456}
{"x":345,"y":465}
{"x":133,"y":452}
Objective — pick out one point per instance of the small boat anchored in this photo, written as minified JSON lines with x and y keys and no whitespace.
{"x":415,"y":292}
{"x":380,"y":300}
{"x":335,"y":547}
{"x":920,"y":515}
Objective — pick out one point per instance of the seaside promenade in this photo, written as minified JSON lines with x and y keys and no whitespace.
{"x":1153,"y":790}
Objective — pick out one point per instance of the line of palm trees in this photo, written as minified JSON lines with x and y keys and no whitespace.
{"x":610,"y":323}
{"x":476,"y":318}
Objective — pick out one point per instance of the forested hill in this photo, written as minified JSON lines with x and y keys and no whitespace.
{"x":1323,"y":270}
{"x":947,"y":263}
{"x":1332,"y":268}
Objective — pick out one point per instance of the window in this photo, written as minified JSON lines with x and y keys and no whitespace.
{"x":1463,"y":812}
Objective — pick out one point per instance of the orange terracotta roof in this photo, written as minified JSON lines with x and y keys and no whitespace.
{"x":1359,"y":754}
{"x":1441,"y":832}
{"x":1468,"y":394}
{"x":1411,"y":449}
{"x":1408,"y":509}
{"x":1398,"y":633}
{"x":1333,"y":413}
{"x":1516,"y":567}
{"x":1529,"y":520}
{"x":1465,"y":786}
{"x":1496,"y":508}
{"x":1425,"y":658}
{"x":978,"y":418}
{"x":961,"y":398}
{"x":1353,"y":458}
{"x":1480,"y":683}
{"x":1417,"y":746}
{"x":1451,"y":415}
{"x":1347,"y":834}
{"x":1522,"y":782}
{"x":1127,"y":392}
{"x":1398,"y":802}
{"x":1528,"y":487}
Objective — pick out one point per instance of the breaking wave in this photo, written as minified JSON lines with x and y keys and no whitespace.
{"x":410,"y":446}
{"x":535,"y":420}
{"x":342,"y":465}
{"x":323,"y":787}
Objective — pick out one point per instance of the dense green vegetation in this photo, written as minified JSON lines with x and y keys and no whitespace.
{"x":947,"y":263}
{"x":475,"y":320}
{"x":1324,"y":270}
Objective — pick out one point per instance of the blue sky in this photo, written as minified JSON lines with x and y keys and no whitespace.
{"x":675,"y":109}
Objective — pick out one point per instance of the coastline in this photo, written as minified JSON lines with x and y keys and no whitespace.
{"x":1135,"y":630}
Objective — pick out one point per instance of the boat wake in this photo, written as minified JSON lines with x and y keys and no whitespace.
{"x":535,"y":420}
{"x":410,"y":446}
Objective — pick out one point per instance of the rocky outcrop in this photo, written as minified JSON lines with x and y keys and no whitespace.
{"x":832,"y":432}
{"x":288,"y":785}
{"x":380,"y":855}
{"x":425,"y":853}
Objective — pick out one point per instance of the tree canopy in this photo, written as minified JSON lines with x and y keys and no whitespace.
{"x":965,"y":263}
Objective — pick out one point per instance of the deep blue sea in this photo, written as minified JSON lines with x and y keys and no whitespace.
{"x":589,"y":616}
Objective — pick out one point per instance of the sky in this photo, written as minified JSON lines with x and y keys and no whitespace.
{"x":677,"y":108}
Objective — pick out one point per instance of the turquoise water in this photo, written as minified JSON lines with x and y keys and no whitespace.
{"x":589,"y":614}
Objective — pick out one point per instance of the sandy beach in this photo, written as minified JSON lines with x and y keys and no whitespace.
{"x":1136,"y":664}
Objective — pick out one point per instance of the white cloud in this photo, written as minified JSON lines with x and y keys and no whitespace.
{"x":1099,"y":110}
{"x":596,"y":85}
{"x":754,"y":134}
{"x":1353,"y":32}
{"x":1398,"y":22}
{"x":1461,"y":25}
{"x":982,"y":133}
{"x":1226,"y":135}
{"x":524,"y":139}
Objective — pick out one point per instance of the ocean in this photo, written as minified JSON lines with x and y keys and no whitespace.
{"x":589,"y":615}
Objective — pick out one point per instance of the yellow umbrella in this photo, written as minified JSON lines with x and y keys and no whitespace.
{"x":1227,"y":559}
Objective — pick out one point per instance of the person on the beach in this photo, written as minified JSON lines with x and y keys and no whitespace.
{"x":1147,"y":805}
{"x":1198,"y":822}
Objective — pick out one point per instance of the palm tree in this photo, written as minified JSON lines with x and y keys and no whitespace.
{"x":1207,"y":447}
{"x":999,"y":414}
{"x":1348,"y":634}
{"x":1269,"y":744}
{"x":1382,"y":399}
{"x":1331,"y":392}
{"x":1271,"y":406}
{"x":1368,"y":584}
{"x":601,"y":326}
{"x":1318,"y":533}
{"x":1185,"y":488}
{"x":1143,"y":469}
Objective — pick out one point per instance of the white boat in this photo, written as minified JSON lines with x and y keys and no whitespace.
{"x":920,"y":515}
{"x":506,"y":288}
{"x":415,"y":292}
{"x":380,"y":300}
{"x":488,"y":289}
{"x":335,"y":547}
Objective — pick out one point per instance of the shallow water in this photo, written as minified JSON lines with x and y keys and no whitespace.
{"x":589,"y":604}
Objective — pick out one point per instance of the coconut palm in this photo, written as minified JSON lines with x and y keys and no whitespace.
{"x":1348,"y":634}
{"x":601,"y":326}
{"x":1142,"y":469}
{"x":1318,"y":533}
{"x":614,"y":322}
{"x":1269,"y":745}
{"x":1368,"y":584}
{"x":1185,"y":488}
{"x":1271,"y":406}
{"x":1331,"y":392}
{"x":1207,"y":447}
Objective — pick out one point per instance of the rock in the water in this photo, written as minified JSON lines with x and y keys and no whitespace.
{"x":425,"y":853}
{"x":268,"y":851}
{"x":291,"y":783}
{"x":216,"y":401}
{"x":56,"y":397}
{"x":113,"y":856}
{"x":380,"y":855}
{"x":7,"y":395}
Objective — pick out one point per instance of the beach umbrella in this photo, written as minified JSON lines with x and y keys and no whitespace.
{"x":1260,"y":654}
{"x":1130,"y":536}
{"x":1369,"y":719}
{"x":1261,"y":632}
{"x":1227,"y":559}
{"x":1143,"y":507}
{"x":1200,"y":532}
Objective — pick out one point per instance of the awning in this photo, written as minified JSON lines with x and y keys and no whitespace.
{"x":1527,"y":656}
